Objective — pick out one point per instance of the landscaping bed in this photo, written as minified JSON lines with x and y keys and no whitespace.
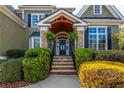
{"x":100,"y":68}
{"x":15,"y":84}
{"x":18,"y":72}
{"x":101,"y":74}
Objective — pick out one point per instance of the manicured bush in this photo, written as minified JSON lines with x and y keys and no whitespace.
{"x":109,"y":55}
{"x":11,"y":70}
{"x":36,"y":64}
{"x":101,"y":74}
{"x":83,"y":55}
{"x":15,"y":53}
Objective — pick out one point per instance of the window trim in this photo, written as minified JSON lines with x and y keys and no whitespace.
{"x":106,"y":43}
{"x":38,"y":14}
{"x":100,"y":10}
{"x":31,"y":41}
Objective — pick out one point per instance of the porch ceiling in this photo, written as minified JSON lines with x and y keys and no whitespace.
{"x":61,"y":24}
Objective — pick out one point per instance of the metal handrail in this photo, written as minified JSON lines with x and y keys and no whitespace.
{"x":52,"y":55}
{"x":73,"y":58}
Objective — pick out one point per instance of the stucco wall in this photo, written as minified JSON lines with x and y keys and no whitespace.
{"x":12,"y":35}
{"x":89,"y":12}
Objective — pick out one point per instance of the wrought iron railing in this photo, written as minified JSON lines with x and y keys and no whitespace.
{"x":52,"y":54}
{"x":73,"y":57}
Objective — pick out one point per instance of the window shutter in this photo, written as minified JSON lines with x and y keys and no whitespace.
{"x":109,"y":37}
{"x":86,"y":38}
{"x":29,"y":20}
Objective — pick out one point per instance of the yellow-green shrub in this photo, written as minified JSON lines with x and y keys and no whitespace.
{"x":36,"y":64}
{"x":101,"y":74}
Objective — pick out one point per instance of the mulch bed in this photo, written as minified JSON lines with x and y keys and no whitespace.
{"x":15,"y":84}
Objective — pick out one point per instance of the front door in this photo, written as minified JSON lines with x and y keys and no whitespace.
{"x":62,"y":47}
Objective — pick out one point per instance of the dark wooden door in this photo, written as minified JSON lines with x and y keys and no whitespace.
{"x":62,"y":47}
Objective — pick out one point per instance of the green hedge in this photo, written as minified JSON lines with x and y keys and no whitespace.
{"x":36,"y":64}
{"x":82,"y":55}
{"x":109,"y":55}
{"x":15,"y":53}
{"x":11,"y":70}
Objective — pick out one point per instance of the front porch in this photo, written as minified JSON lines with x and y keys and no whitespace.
{"x":62,"y":23}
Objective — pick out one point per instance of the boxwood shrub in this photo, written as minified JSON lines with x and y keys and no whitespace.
{"x":11,"y":70}
{"x":109,"y":55}
{"x":101,"y":74}
{"x":36,"y":64}
{"x":15,"y":53}
{"x":83,"y":55}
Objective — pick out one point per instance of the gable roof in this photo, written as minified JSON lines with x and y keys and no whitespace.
{"x":61,"y":12}
{"x":4,"y":9}
{"x":111,"y":8}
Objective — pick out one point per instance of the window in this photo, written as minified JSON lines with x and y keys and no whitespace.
{"x":35,"y":42}
{"x":97,"y":9}
{"x":35,"y":18}
{"x":98,"y":38}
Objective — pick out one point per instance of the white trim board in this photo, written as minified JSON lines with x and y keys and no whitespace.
{"x":59,"y":13}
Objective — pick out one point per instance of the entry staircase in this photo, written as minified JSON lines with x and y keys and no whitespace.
{"x":62,"y":65}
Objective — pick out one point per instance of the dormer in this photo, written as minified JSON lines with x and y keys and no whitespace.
{"x":100,"y":12}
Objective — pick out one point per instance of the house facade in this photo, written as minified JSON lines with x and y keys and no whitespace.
{"x":94,"y":24}
{"x":13,"y":31}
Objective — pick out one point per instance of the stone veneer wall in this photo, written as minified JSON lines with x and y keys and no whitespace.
{"x":44,"y":42}
{"x":80,"y":42}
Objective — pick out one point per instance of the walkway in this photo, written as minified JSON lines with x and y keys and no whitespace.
{"x":58,"y":81}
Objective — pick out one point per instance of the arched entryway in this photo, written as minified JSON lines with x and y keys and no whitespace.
{"x":61,"y":27}
{"x":62,"y":21}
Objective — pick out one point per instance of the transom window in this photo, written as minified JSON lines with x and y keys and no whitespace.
{"x":35,"y":42}
{"x":97,"y":9}
{"x":98,"y":38}
{"x":35,"y":18}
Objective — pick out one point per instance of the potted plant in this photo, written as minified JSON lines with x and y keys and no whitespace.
{"x":73,"y":36}
{"x":50,"y":37}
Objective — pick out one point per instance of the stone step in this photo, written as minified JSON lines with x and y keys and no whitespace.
{"x":63,"y":72}
{"x":62,"y":67}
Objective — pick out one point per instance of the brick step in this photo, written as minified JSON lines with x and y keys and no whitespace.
{"x":62,"y":67}
{"x":63,"y":72}
{"x":62,"y":60}
{"x":62,"y":57}
{"x":62,"y":63}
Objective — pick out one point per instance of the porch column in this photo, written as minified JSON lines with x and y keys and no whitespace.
{"x":80,"y":33}
{"x":43,"y":40}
